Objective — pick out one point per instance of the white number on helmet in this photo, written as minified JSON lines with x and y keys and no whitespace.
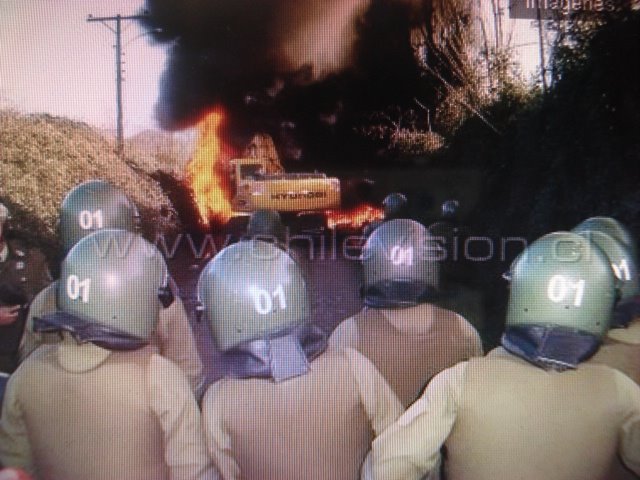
{"x":263,"y":301}
{"x":622,"y":271}
{"x":401,"y":256}
{"x":560,"y":286}
{"x":77,"y":288}
{"x":89,"y":220}
{"x":279,"y":294}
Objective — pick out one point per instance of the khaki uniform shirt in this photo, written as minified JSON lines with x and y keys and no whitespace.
{"x":23,"y":272}
{"x":173,"y":338}
{"x":501,"y":418}
{"x":409,"y":346}
{"x":621,"y":350}
{"x":317,"y":426}
{"x":76,"y":412}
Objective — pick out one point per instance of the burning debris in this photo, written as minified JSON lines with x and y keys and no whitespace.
{"x":224,"y":186}
{"x":354,"y":218}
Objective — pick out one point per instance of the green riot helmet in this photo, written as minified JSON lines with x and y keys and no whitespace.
{"x":562,"y":280}
{"x":110,"y":290}
{"x":400,"y":265}
{"x":252,"y":290}
{"x":611,"y":227}
{"x":450,"y":208}
{"x":624,"y":268}
{"x":394,"y":205}
{"x":94,"y":205}
{"x":266,"y":224}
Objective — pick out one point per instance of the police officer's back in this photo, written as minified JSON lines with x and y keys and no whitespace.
{"x":401,"y":329}
{"x":286,"y":408}
{"x":92,"y":206}
{"x":535,"y":407}
{"x":621,"y":345}
{"x":102,"y":403}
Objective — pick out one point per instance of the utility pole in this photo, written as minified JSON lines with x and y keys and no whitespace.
{"x":543,"y":68}
{"x":118,"y":31}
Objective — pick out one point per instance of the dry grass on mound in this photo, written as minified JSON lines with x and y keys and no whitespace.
{"x":43,"y":157}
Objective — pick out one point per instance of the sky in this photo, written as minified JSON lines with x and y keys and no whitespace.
{"x":521,"y":35}
{"x":53,"y":61}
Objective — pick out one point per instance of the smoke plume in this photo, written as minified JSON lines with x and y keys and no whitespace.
{"x":305,"y":71}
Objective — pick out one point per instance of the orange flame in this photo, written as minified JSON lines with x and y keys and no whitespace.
{"x":354,"y":218}
{"x":207,"y":171}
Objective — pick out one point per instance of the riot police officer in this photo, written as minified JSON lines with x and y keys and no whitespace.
{"x":402,"y":332}
{"x":267,"y":225}
{"x":621,"y":348}
{"x":612,"y":227}
{"x":535,"y":407}
{"x":90,"y":207}
{"x":286,"y":408}
{"x":621,"y":345}
{"x":459,"y":275}
{"x":102,"y":403}
{"x":395,"y":206}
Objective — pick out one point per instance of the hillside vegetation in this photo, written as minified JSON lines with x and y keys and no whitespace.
{"x":567,"y":155}
{"x":43,"y":157}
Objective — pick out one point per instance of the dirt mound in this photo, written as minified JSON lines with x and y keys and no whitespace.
{"x":42,"y":157}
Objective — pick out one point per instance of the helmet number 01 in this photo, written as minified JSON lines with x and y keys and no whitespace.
{"x":263,"y":300}
{"x":622,"y":271}
{"x":560,"y":286}
{"x":401,"y":256}
{"x":89,"y":220}
{"x":77,"y":288}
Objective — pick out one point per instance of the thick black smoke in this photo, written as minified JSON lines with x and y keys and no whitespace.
{"x":308,"y":72}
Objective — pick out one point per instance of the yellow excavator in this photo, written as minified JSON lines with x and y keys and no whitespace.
{"x":260,"y":182}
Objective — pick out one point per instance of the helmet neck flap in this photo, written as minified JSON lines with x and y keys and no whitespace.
{"x":549,"y":346}
{"x":85,"y":331}
{"x":278,"y":356}
{"x":397,"y":294}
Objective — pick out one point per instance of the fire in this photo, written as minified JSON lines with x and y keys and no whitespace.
{"x":209,"y":179}
{"x":207,"y":170}
{"x":354,"y":218}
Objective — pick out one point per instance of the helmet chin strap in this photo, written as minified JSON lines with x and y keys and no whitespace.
{"x":550,"y":347}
